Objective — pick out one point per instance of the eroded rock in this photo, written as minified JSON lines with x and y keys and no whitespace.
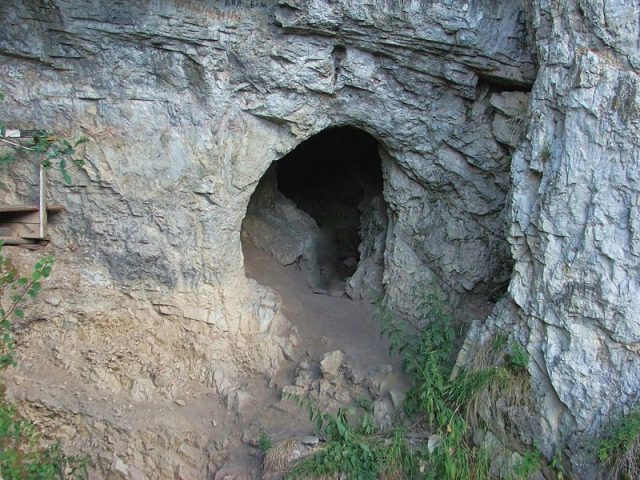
{"x":187,"y":105}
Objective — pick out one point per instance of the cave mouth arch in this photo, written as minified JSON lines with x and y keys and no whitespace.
{"x":322,"y":206}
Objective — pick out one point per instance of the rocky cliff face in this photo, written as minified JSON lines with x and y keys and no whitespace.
{"x":574,"y":210}
{"x":188,"y":103}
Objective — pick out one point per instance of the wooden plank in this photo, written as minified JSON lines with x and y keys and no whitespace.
{"x":20,"y":217}
{"x":23,"y":230}
{"x":29,"y":208}
{"x":15,"y":240}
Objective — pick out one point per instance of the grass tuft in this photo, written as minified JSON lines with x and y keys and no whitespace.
{"x":620,"y":450}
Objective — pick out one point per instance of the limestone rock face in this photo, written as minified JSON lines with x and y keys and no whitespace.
{"x":187,"y":104}
{"x":574,"y":216}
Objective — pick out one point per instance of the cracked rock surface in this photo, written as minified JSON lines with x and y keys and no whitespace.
{"x":508,"y":134}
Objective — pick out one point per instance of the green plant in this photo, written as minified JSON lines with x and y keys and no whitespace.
{"x":51,"y":151}
{"x":22,"y":457}
{"x":398,"y":461}
{"x":557,"y":465}
{"x":619,"y":451}
{"x":346,"y":450}
{"x":499,"y":343}
{"x":545,"y":153}
{"x":517,"y":358}
{"x":21,"y":454}
{"x":19,"y":290}
{"x":438,"y":401}
{"x":264,"y":442}
{"x":530,"y":463}
{"x":356,"y":450}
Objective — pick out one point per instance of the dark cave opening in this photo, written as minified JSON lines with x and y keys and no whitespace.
{"x":322,"y":204}
{"x":329,"y":176}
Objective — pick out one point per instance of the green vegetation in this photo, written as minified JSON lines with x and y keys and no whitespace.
{"x":23,"y":457}
{"x":19,"y":290}
{"x":22,"y":453}
{"x":49,"y":150}
{"x":530,"y":463}
{"x":264,"y":442}
{"x":432,"y":440}
{"x":518,"y":358}
{"x":545,"y":154}
{"x":619,"y":452}
{"x":360,"y":452}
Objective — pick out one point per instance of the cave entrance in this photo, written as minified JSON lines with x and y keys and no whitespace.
{"x":321,"y":206}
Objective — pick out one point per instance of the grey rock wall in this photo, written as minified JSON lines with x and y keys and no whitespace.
{"x":187,"y":104}
{"x":574,"y":207}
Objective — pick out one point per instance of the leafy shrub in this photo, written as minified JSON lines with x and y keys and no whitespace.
{"x":19,"y":290}
{"x":21,"y":453}
{"x":22,"y":457}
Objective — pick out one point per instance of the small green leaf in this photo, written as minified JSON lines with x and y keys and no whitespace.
{"x":81,"y":140}
{"x":18,"y":312}
{"x":66,"y":177}
{"x":1,"y":96}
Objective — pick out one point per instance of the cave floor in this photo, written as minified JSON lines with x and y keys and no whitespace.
{"x":325,"y":323}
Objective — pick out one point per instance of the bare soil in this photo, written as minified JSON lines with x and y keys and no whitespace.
{"x":165,"y":432}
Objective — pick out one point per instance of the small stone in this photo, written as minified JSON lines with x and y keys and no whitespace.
{"x":303,"y":378}
{"x":55,"y":301}
{"x":397,"y":397}
{"x":433,"y":442}
{"x":142,"y":389}
{"x":304,"y":365}
{"x":120,"y":467}
{"x":239,"y":401}
{"x":331,"y":364}
{"x":382,"y":411}
{"x":180,"y":402}
{"x":190,"y":454}
{"x":355,"y":375}
{"x":310,"y":441}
